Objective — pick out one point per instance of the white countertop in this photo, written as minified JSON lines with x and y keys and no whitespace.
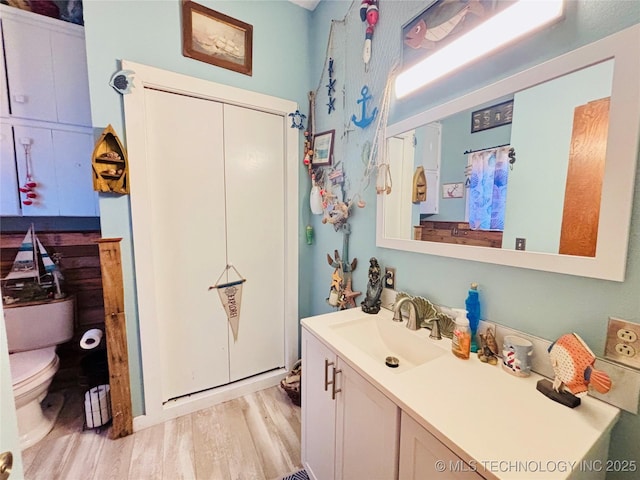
{"x":498,"y":422}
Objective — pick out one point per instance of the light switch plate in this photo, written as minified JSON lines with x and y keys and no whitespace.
{"x":623,"y":342}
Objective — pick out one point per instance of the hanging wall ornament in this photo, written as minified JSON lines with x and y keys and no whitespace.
{"x":121,"y":81}
{"x":297,"y":120}
{"x":371,"y":16}
{"x":331,"y":105}
{"x":230,"y":294}
{"x":315,"y":199}
{"x":331,"y":88}
{"x":28,"y":189}
{"x":364,"y":119}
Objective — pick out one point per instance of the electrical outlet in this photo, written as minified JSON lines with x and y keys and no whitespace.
{"x":625,"y":350}
{"x":623,"y":342}
{"x":390,"y":278}
{"x":521,"y":243}
{"x":627,"y":335}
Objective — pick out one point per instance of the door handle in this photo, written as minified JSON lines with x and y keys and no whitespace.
{"x":6,"y":463}
{"x":333,"y":383}
{"x":327,"y":363}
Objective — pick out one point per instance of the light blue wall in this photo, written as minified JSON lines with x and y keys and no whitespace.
{"x":544,"y":304}
{"x":149,"y":32}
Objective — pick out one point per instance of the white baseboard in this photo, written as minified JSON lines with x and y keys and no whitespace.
{"x":202,"y":400}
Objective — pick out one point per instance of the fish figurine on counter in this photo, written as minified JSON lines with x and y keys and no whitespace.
{"x":572,"y":361}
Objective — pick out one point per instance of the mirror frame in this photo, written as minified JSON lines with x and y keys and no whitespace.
{"x":610,"y":260}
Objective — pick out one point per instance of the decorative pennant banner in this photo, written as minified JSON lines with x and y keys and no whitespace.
{"x":230,"y":294}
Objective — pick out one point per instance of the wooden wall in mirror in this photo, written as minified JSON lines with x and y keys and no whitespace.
{"x":548,"y":188}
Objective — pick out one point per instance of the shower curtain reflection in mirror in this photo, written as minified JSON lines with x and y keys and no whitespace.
{"x":488,"y":188}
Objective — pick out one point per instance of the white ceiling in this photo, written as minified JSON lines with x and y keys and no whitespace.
{"x":308,"y":4}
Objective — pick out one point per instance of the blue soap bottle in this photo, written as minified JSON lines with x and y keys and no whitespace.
{"x":472,"y":304}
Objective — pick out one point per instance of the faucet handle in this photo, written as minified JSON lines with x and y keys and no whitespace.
{"x":435,"y":328}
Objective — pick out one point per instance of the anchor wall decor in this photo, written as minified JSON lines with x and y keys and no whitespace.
{"x":364,"y":120}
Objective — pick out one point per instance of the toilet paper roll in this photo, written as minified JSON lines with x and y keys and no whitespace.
{"x":91,"y":339}
{"x":97,"y":406}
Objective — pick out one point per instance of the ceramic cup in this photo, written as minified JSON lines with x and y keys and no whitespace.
{"x":516,"y":355}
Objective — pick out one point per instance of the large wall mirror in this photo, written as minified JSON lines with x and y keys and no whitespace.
{"x":535,"y":171}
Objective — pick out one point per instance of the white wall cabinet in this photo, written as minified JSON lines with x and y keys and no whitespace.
{"x":349,"y":428}
{"x":9,"y":194}
{"x":4,"y":92}
{"x":46,"y":67}
{"x":424,"y":456}
{"x":45,"y":104}
{"x":430,"y":138}
{"x":60,"y":163}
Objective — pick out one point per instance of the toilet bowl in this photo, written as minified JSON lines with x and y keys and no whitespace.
{"x":32,"y":372}
{"x":33,"y":331}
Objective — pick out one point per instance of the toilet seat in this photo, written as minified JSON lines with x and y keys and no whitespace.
{"x":32,"y":366}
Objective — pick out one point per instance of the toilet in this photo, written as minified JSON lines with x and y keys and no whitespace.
{"x":33,"y":331}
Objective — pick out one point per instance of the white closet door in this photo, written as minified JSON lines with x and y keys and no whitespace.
{"x":255,"y":174}
{"x":186,"y":183}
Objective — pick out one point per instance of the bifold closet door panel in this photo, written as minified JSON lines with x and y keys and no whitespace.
{"x":255,"y":176}
{"x":185,"y":168}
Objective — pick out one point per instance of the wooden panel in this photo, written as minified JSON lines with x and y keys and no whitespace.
{"x":80,"y":264}
{"x":457,"y":232}
{"x":116,"y":333}
{"x":579,"y":234}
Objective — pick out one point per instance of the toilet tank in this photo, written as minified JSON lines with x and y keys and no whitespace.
{"x":38,"y":325}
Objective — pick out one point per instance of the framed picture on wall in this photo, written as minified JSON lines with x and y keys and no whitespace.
{"x":323,"y":149}
{"x":453,"y":190}
{"x":216,"y":38}
{"x":491,"y":117}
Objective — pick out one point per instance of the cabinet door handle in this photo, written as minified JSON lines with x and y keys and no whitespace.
{"x":335,"y":390}
{"x":326,"y":374}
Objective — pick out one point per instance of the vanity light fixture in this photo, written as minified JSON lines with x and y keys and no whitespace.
{"x":504,"y":27}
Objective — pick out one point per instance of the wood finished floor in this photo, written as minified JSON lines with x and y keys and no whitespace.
{"x":255,"y":437}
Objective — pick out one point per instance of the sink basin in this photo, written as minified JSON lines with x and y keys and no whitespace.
{"x":380,"y":338}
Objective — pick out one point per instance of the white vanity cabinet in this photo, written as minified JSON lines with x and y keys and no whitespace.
{"x":46,"y":67}
{"x":424,"y":456}
{"x":349,"y":428}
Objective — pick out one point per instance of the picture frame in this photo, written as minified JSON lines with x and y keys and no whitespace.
{"x":453,"y":190}
{"x":491,"y":117}
{"x":215,"y":38}
{"x":323,"y":149}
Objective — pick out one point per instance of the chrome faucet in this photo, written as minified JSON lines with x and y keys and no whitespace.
{"x":413,"y":323}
